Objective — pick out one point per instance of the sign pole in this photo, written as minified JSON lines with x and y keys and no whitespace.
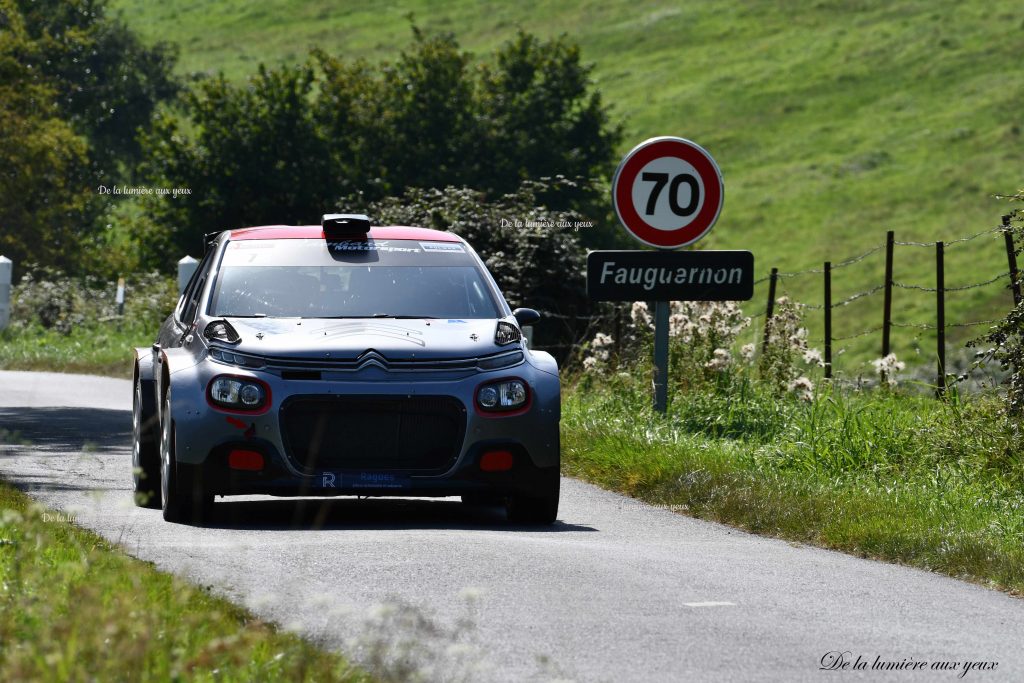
{"x":661,"y":357}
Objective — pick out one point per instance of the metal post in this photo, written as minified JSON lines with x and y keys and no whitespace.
{"x":186,"y":266}
{"x":6,"y":266}
{"x":890,"y":239}
{"x":661,"y":356}
{"x":828,"y":319}
{"x":771,"y":307}
{"x":940,"y":322}
{"x":1011,"y":257}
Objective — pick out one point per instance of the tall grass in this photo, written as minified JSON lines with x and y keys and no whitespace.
{"x":74,"y":608}
{"x":880,"y":473}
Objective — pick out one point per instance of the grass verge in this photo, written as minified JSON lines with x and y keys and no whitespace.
{"x":935,"y":485}
{"x":100,"y":349}
{"x":76,"y":608}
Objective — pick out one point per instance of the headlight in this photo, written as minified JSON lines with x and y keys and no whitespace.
{"x":238,"y":393}
{"x":502,"y":396}
{"x":234,"y":358}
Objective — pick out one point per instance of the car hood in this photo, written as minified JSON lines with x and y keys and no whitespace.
{"x":394,"y":339}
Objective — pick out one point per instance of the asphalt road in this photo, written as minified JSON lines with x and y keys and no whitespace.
{"x":615,"y":591}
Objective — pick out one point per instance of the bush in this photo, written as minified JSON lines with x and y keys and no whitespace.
{"x":291,"y":142}
{"x":538,"y":265}
{"x":51,"y":300}
{"x":1007,"y":337}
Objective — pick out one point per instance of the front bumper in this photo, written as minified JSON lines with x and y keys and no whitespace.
{"x":205,"y":435}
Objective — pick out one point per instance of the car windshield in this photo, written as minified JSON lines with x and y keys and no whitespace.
{"x":350,"y":279}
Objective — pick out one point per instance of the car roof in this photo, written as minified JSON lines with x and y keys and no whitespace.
{"x":294,"y":232}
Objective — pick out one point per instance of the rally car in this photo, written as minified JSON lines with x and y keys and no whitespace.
{"x":345,"y":359}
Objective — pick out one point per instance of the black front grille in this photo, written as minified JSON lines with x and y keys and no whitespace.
{"x":415,"y":433}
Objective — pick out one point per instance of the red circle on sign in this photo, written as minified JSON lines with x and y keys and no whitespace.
{"x":629,"y":169}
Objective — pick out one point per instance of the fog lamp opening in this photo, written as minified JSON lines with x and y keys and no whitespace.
{"x":496,"y":461}
{"x":239,"y":459}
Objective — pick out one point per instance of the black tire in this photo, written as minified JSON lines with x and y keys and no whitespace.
{"x":482,"y":499}
{"x":539,"y":509}
{"x":181,"y":486}
{"x":145,"y":450}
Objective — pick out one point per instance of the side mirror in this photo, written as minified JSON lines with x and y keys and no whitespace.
{"x":526,"y":316}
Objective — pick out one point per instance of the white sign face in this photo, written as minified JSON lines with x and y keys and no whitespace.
{"x":668,"y":192}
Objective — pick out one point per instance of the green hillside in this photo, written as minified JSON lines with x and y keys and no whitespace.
{"x":831,"y":123}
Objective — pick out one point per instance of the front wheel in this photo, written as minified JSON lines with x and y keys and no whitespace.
{"x":145,"y":452}
{"x":541,"y":508}
{"x":183,"y":495}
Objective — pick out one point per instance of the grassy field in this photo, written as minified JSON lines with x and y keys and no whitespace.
{"x":77,"y":609}
{"x":832,"y":122}
{"x":880,"y":474}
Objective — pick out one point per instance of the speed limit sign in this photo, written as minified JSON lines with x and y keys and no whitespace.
{"x":668,"y":192}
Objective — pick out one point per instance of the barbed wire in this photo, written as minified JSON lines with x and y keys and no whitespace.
{"x":873,"y":330}
{"x":920,"y":326}
{"x":976,"y":322}
{"x":951,"y":289}
{"x":951,"y":242}
{"x":859,"y":295}
{"x":818,"y":271}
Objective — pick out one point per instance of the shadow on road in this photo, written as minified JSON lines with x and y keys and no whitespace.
{"x":78,"y":432}
{"x":376,"y":513}
{"x":62,"y":441}
{"x":66,"y":430}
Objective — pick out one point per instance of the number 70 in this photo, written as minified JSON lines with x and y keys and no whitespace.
{"x":660,"y":180}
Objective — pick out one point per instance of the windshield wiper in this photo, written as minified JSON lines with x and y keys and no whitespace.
{"x":251,"y":315}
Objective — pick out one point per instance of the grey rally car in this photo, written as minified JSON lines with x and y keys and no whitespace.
{"x":341,"y":359}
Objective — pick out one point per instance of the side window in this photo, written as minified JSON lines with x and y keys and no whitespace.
{"x":195,"y":289}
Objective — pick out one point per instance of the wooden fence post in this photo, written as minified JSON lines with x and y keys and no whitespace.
{"x":890,"y":240}
{"x":828,"y":319}
{"x":771,"y":306}
{"x":1011,"y":257}
{"x":940,"y":321}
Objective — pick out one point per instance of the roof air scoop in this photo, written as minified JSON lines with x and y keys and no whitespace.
{"x":345,"y":224}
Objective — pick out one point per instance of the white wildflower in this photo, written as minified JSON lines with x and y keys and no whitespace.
{"x":589,"y":363}
{"x":803,"y":388}
{"x":813,"y":357}
{"x":640,"y":315}
{"x":747,"y":352}
{"x":719,"y":361}
{"x":888,"y":367}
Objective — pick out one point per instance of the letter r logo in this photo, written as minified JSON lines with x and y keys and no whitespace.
{"x":328,"y":480}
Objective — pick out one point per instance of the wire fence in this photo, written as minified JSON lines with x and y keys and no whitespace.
{"x":1012,"y":276}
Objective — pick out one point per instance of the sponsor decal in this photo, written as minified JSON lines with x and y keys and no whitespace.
{"x":378,"y":480}
{"x":328,"y":480}
{"x":450,"y":247}
{"x":349,"y":246}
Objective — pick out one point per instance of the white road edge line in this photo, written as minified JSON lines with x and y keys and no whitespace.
{"x":709,"y":604}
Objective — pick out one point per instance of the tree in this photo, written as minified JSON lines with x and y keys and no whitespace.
{"x":284,"y":147}
{"x":46,"y":208}
{"x":107,"y":83}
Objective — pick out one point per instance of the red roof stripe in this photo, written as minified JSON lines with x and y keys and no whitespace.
{"x":296,"y":232}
